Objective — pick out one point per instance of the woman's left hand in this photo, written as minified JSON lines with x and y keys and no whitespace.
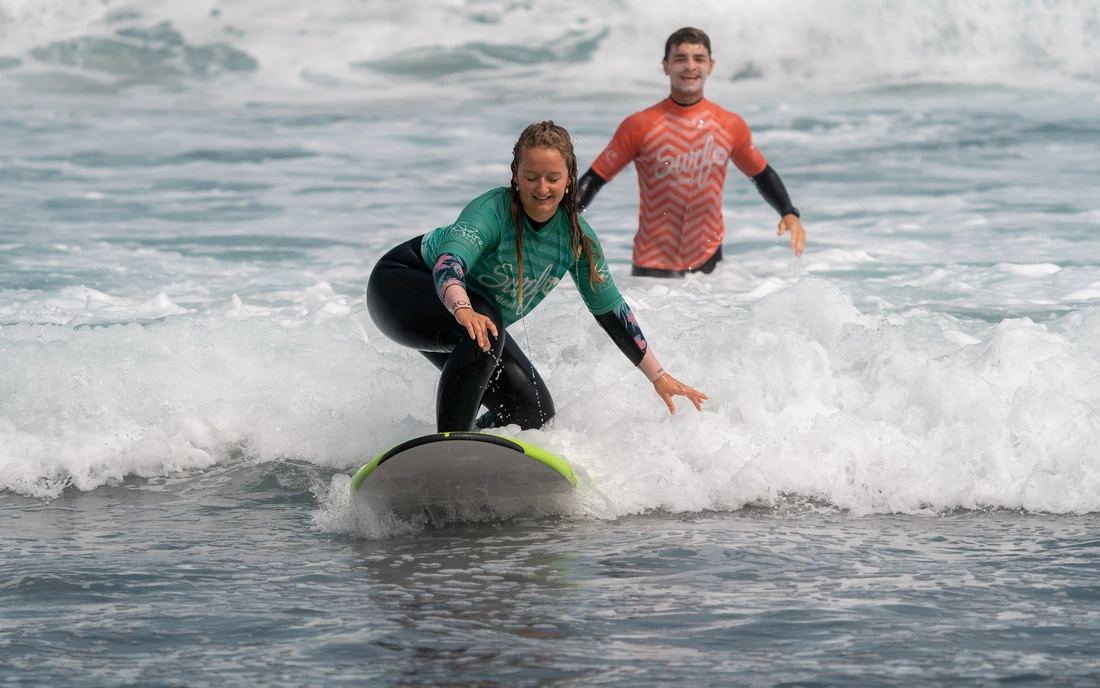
{"x":668,"y":387}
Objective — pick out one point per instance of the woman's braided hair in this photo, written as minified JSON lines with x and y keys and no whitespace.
{"x":551,"y":136}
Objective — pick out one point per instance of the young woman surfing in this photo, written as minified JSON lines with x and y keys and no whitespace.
{"x":508,"y":248}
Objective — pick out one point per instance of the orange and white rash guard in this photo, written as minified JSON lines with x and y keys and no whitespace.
{"x":681,"y":153}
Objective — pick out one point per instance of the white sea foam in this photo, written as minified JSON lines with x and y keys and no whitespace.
{"x":811,"y":398}
{"x":808,"y":396}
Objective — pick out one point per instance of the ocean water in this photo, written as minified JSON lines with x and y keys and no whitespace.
{"x":896,"y":479}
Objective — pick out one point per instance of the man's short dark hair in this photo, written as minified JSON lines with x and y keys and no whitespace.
{"x":688,"y":34}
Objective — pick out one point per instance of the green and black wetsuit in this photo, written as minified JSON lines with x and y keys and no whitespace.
{"x":479,"y":251}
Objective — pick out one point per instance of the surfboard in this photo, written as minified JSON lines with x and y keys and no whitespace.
{"x":465,"y":475}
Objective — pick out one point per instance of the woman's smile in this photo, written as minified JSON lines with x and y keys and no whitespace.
{"x":542,"y":178}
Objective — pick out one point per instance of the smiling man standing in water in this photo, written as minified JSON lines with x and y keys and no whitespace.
{"x":681,"y":148}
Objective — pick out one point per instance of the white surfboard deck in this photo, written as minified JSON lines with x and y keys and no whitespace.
{"x":460,"y":473}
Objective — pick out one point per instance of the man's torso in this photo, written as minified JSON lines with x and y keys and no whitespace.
{"x":681,"y":155}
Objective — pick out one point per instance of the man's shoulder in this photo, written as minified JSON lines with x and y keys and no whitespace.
{"x":646,"y":117}
{"x":662,"y":109}
{"x":730,"y":117}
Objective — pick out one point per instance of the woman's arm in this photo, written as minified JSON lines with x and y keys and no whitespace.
{"x":449,"y":273}
{"x":621,"y":325}
{"x":615,"y":317}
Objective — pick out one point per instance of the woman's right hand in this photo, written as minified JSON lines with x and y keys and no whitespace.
{"x":477,"y":325}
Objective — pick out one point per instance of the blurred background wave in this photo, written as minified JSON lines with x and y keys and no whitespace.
{"x":347,"y":46}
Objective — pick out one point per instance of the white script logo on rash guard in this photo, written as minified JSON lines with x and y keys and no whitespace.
{"x":462,"y":230}
{"x":610,"y":155}
{"x":505,"y":282}
{"x":693,"y":166}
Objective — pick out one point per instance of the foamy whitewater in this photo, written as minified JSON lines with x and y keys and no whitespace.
{"x":192,"y":196}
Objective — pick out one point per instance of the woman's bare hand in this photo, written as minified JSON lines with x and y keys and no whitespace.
{"x":477,"y":325}
{"x":668,"y":387}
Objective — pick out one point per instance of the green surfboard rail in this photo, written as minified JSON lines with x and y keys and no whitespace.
{"x":552,"y":460}
{"x":363,"y":472}
{"x":537,"y":453}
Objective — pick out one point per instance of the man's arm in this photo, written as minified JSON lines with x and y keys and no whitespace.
{"x":620,"y":152}
{"x":587,"y":188}
{"x":774,"y":192}
{"x":771,"y":188}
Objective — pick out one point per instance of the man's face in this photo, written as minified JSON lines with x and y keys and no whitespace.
{"x":688,"y":65}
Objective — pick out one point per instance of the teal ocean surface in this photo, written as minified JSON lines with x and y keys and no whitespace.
{"x":896,"y":479}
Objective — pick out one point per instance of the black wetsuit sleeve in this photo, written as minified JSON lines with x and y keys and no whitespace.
{"x":587,"y":188}
{"x":622,"y":327}
{"x":774,"y":192}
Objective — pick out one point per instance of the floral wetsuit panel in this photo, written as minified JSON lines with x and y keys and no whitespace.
{"x":621,"y":325}
{"x":449,"y":271}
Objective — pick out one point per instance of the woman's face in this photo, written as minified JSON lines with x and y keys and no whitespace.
{"x":542,"y":178}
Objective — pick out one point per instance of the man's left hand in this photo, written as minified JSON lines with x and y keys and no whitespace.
{"x":791,"y":223}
